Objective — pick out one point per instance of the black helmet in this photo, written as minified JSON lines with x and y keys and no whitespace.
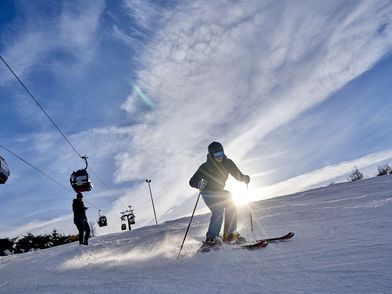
{"x":214,"y":147}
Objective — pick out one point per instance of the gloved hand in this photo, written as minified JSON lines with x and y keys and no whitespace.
{"x":202,"y":184}
{"x":246,"y":179}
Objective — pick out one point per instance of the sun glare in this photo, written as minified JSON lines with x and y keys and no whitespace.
{"x":239,"y":192}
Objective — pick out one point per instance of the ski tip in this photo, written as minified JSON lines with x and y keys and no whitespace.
{"x":257,"y":245}
{"x":289,"y":235}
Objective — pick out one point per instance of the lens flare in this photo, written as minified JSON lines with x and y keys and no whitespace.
{"x":238,"y":190}
{"x":144,"y":97}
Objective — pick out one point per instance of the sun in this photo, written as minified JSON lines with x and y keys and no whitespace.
{"x":239,"y":192}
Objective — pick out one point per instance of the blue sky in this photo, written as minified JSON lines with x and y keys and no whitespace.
{"x":298,"y":94}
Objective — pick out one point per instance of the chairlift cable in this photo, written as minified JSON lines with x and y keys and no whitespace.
{"x":52,"y":121}
{"x":41,"y":172}
{"x":36,"y":168}
{"x":106,"y":187}
{"x":39,"y":105}
{"x":97,"y":208}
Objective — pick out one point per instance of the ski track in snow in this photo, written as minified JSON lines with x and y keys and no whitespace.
{"x":341,"y":245}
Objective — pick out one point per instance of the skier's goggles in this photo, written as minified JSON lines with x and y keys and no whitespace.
{"x":218,"y":154}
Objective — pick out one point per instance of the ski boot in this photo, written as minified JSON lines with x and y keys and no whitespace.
{"x":234,"y":238}
{"x":211,"y":244}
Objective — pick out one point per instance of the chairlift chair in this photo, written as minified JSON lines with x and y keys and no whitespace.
{"x":132,"y":221}
{"x":123,"y":225}
{"x":4,"y":171}
{"x":102,"y":220}
{"x":80,"y":180}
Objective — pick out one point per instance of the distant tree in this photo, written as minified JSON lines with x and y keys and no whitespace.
{"x":6,"y":246}
{"x":355,"y":175}
{"x":56,"y":238}
{"x":92,"y":228}
{"x":384,"y":170}
{"x":31,"y":242}
{"x":42,"y":242}
{"x":24,"y":244}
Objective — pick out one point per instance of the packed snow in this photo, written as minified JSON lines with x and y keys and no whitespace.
{"x":342,"y":244}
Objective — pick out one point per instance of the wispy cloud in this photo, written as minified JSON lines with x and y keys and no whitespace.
{"x":236,"y":73}
{"x":75,"y":32}
{"x":79,"y":25}
{"x":144,"y":13}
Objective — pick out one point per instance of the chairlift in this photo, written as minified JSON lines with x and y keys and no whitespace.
{"x":123,"y":225}
{"x":127,"y":217}
{"x":131,"y":217}
{"x":102,"y":220}
{"x":132,"y":220}
{"x":4,"y":171}
{"x":80,"y":180}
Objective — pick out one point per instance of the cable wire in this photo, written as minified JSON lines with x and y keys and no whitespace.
{"x":41,"y":172}
{"x":54,"y":124}
{"x":39,"y":105}
{"x":36,"y":168}
{"x":106,"y":187}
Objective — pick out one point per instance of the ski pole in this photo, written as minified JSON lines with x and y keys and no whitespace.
{"x":250,"y":209}
{"x":190,"y":221}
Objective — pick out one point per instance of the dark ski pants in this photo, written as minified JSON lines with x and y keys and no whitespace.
{"x":84,"y":231}
{"x":221,"y":204}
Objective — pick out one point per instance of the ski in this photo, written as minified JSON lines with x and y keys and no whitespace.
{"x":250,"y":245}
{"x":277,"y":239}
{"x":261,"y":243}
{"x":253,"y":245}
{"x":234,"y":246}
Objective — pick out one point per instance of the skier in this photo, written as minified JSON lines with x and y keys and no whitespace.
{"x":210,"y":179}
{"x":80,"y":219}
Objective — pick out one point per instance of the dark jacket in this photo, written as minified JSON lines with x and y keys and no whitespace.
{"x":216,"y":174}
{"x":79,"y":210}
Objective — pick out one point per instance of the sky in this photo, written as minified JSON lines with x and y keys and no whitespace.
{"x":297,"y":93}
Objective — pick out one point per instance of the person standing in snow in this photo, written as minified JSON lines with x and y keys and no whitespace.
{"x":80,"y":219}
{"x":210,"y":179}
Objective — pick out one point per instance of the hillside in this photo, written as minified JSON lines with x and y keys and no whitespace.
{"x":342,"y":245}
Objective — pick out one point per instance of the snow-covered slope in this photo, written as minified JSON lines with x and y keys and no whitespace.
{"x":342,"y":245}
